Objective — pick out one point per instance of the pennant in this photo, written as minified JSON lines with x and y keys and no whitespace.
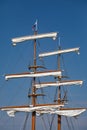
{"x":34,"y":27}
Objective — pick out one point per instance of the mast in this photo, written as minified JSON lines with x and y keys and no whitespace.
{"x":33,"y":88}
{"x":59,"y":91}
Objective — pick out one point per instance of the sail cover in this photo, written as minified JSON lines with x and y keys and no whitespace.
{"x":59,"y":52}
{"x":50,"y":109}
{"x":34,"y":74}
{"x":59,"y":83}
{"x":32,"y":37}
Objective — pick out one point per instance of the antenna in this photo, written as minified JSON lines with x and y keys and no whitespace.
{"x":59,"y":41}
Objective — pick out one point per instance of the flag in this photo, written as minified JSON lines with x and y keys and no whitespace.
{"x":34,"y":27}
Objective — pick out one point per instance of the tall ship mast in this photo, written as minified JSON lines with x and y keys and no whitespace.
{"x":59,"y":106}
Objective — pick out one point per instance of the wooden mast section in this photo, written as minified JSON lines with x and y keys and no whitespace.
{"x":34,"y":81}
{"x":34,"y":89}
{"x":59,"y":92}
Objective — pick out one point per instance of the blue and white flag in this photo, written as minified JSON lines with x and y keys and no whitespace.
{"x":34,"y":27}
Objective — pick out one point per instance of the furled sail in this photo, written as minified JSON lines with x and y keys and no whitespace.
{"x":59,"y":52}
{"x":32,"y":37}
{"x":47,"y":107}
{"x":50,"y":109}
{"x":67,"y":112}
{"x":59,"y":83}
{"x":34,"y":74}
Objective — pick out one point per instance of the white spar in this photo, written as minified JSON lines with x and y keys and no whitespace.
{"x":59,"y":83}
{"x":59,"y":52}
{"x":32,"y":74}
{"x":32,"y":37}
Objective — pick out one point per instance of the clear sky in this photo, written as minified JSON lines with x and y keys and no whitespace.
{"x":69,"y":18}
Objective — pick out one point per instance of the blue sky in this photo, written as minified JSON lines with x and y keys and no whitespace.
{"x":69,"y":18}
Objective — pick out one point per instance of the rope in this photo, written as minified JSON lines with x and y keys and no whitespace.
{"x":68,"y":123}
{"x":44,"y":123}
{"x":41,"y":59}
{"x":25,"y":121}
{"x":52,"y":122}
{"x":72,"y":124}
